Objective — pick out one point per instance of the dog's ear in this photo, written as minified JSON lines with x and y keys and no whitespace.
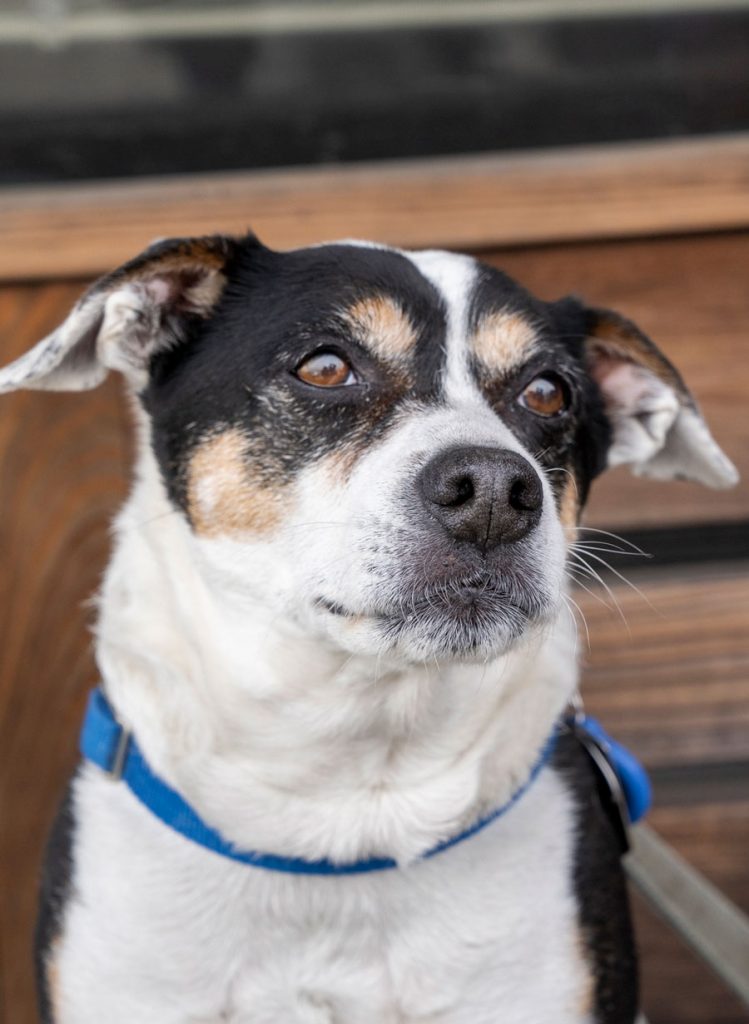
{"x":656,"y":426}
{"x":127,"y":317}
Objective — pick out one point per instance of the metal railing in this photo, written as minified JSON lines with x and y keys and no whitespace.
{"x":713,"y":926}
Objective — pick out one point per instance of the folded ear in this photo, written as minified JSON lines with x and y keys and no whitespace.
{"x":657,"y":427}
{"x":127,"y":317}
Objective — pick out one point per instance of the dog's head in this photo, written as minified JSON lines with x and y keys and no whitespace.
{"x":389,"y":449}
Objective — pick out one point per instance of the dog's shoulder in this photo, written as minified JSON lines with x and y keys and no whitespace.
{"x":600,"y":890}
{"x":55,"y":890}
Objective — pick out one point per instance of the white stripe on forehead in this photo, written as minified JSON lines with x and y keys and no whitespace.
{"x":454,"y":277}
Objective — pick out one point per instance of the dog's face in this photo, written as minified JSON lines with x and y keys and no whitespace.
{"x":389,"y":449}
{"x":381,"y":446}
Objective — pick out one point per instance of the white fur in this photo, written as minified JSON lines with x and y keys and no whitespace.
{"x":454,"y":276}
{"x":198,"y":938}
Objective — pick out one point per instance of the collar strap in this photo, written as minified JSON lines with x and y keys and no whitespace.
{"x":113,"y":748}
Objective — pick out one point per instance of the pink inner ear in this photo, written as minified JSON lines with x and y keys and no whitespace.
{"x":161,"y":289}
{"x":622,"y":382}
{"x":601,"y":364}
{"x":187,"y":289}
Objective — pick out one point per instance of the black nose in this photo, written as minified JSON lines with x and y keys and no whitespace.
{"x":486,"y":496}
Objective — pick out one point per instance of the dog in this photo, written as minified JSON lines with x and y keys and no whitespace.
{"x":336,"y":625}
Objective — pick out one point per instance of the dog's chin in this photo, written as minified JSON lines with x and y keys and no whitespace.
{"x":464,"y":626}
{"x":459,"y":622}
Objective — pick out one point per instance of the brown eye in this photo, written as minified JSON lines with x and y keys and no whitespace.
{"x":325,"y":370}
{"x":545,"y":396}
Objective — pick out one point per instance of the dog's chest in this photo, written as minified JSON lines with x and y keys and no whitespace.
{"x":484,"y":932}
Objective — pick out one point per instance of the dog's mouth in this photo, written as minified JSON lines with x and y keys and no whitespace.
{"x":455,"y":617}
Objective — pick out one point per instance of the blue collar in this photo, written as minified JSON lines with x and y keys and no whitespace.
{"x":107,"y":744}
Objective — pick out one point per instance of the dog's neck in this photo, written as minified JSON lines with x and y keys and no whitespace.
{"x":289,"y":746}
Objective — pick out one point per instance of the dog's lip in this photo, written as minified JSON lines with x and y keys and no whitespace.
{"x":460,"y":596}
{"x":453,"y":596}
{"x":332,"y":606}
{"x":341,"y":612}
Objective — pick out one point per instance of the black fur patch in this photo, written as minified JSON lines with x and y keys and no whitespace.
{"x":601,"y":893}
{"x":55,"y":888}
{"x":593,"y":431}
{"x":236,"y":369}
{"x":576,"y":440}
{"x":494,"y":292}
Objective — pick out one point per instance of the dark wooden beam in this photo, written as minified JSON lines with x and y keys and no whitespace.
{"x":462,"y":202}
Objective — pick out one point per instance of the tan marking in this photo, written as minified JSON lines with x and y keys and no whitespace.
{"x":569,"y":509}
{"x":503,"y":340}
{"x":339,"y":464}
{"x":189,"y":254}
{"x":222,"y":496}
{"x":586,"y":995}
{"x":384,"y":327}
{"x":52,"y":978}
{"x":201,"y":296}
{"x":617,"y":338}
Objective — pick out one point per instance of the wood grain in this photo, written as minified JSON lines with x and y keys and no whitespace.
{"x":669,"y":670}
{"x":461,"y":202}
{"x":63,"y":472}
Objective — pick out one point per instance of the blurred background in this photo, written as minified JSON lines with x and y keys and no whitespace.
{"x":591,"y":146}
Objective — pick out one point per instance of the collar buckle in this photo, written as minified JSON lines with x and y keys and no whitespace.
{"x":119,"y":755}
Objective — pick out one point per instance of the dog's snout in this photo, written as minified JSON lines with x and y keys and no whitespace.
{"x":485,"y":496}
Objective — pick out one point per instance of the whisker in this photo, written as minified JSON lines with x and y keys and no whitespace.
{"x":154,"y":519}
{"x":609,"y":549}
{"x":579,"y":583}
{"x":562,"y":469}
{"x":624,"y":579}
{"x":615,"y":536}
{"x":569,"y":600}
{"x":593,"y":574}
{"x":320,"y":523}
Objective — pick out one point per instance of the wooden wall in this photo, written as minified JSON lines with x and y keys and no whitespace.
{"x":673,"y":681}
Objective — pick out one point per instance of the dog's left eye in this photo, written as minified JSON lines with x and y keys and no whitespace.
{"x":325,"y":370}
{"x":546,"y":395}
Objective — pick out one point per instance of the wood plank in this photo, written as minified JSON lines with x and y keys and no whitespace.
{"x":464,"y":202}
{"x":673,"y":679}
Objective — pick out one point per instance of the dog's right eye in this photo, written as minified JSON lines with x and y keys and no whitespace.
{"x":325,"y":370}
